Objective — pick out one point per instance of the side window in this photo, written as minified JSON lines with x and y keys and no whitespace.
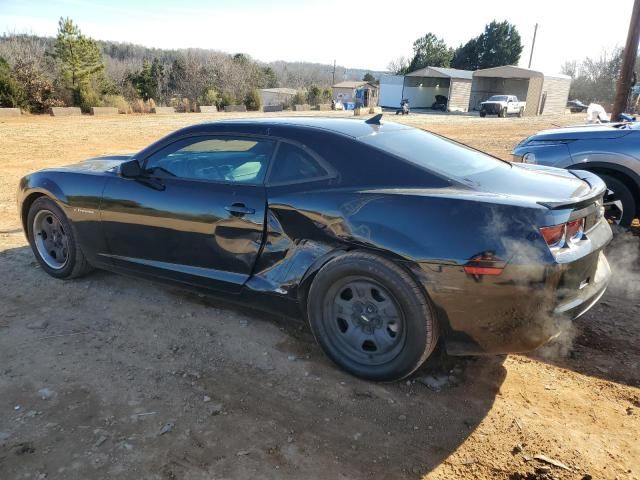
{"x":293,"y":164}
{"x":222,"y":159}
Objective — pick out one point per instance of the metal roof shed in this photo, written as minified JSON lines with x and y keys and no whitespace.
{"x":421,"y":87}
{"x":544,"y":93}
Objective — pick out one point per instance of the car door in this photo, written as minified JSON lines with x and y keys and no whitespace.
{"x":511,"y":106}
{"x":196,"y":215}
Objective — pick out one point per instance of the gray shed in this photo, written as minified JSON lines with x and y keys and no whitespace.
{"x":421,"y":87}
{"x":544,"y":93}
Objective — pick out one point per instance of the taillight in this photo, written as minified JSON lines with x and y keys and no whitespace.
{"x":558,"y":236}
{"x":575,"y":230}
{"x":554,"y":236}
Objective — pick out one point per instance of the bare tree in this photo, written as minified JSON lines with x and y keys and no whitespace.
{"x":398,"y":66}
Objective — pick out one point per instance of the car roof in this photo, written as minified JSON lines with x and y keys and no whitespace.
{"x":351,"y":127}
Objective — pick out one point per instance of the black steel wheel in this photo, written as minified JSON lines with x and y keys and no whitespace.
{"x":53,"y":240}
{"x":363,"y":317}
{"x":370,"y":317}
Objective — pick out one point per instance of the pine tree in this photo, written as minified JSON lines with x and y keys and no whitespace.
{"x":80,"y":60}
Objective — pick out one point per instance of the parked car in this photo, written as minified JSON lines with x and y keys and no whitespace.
{"x":576,"y":106}
{"x":440,"y":103}
{"x":502,"y":105}
{"x":611,"y":151}
{"x":384,"y":249}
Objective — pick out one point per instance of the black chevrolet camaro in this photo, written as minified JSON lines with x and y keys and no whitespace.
{"x":387,"y":239}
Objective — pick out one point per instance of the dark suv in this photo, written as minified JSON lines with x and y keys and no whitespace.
{"x":612,"y":151}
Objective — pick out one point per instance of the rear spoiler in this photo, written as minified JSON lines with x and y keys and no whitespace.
{"x":598,"y":189}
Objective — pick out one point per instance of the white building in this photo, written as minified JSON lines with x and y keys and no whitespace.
{"x":422,"y":86}
{"x":276,"y":96}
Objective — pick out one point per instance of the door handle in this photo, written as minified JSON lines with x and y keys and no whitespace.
{"x":239,"y":209}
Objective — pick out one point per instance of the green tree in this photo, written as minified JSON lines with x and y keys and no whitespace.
{"x":209,"y":97}
{"x":147,"y":80}
{"x":467,"y":56}
{"x":314,"y":95}
{"x":430,"y":51}
{"x":252,"y":100}
{"x":499,"y":45}
{"x":368,"y":77}
{"x":80,"y":60}
{"x":10,"y":93}
{"x":269,"y":78}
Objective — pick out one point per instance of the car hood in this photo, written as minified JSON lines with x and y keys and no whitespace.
{"x":595,"y":132}
{"x":99,"y":164}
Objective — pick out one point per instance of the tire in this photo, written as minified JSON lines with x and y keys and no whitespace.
{"x":483,"y":114}
{"x":521,"y":112}
{"x":623,"y":196}
{"x":370,"y":317}
{"x":65,"y":259}
{"x":502,"y":113}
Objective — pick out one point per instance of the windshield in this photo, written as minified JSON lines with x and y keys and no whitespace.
{"x":498,"y":98}
{"x":435,"y":153}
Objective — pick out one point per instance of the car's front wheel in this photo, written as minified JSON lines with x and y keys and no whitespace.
{"x":370,"y":317}
{"x":483,"y":113}
{"x":503,"y":112}
{"x":53,"y":241}
{"x":620,"y":205}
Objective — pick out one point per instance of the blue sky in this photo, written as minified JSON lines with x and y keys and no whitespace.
{"x":357,"y":34}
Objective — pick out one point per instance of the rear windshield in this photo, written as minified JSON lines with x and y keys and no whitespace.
{"x":435,"y":153}
{"x":498,"y":98}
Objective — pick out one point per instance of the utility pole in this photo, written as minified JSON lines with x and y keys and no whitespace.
{"x":533,"y":44}
{"x":623,"y":87}
{"x":333,"y":76}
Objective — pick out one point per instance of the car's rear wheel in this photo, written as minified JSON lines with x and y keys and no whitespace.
{"x":370,"y":317}
{"x":620,"y":205}
{"x":53,"y":241}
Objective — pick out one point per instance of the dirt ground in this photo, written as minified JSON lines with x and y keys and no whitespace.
{"x":113,"y":377}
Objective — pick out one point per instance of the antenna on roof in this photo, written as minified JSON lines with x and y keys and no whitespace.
{"x":375,"y":120}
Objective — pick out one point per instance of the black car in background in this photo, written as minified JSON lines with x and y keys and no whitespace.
{"x":576,"y":106}
{"x":387,"y":239}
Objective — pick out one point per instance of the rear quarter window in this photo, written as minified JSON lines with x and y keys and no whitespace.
{"x":435,"y":153}
{"x":292,"y":164}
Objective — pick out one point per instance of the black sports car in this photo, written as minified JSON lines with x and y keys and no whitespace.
{"x":386,"y":238}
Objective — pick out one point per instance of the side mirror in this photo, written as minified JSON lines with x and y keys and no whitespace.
{"x":130,"y":169}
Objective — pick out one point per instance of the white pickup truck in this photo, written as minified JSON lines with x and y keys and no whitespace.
{"x":502,"y":105}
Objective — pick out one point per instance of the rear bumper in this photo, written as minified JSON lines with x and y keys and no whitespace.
{"x":587,"y":296}
{"x":521,"y":309}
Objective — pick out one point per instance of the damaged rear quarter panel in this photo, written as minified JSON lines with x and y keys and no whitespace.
{"x":306,"y":229}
